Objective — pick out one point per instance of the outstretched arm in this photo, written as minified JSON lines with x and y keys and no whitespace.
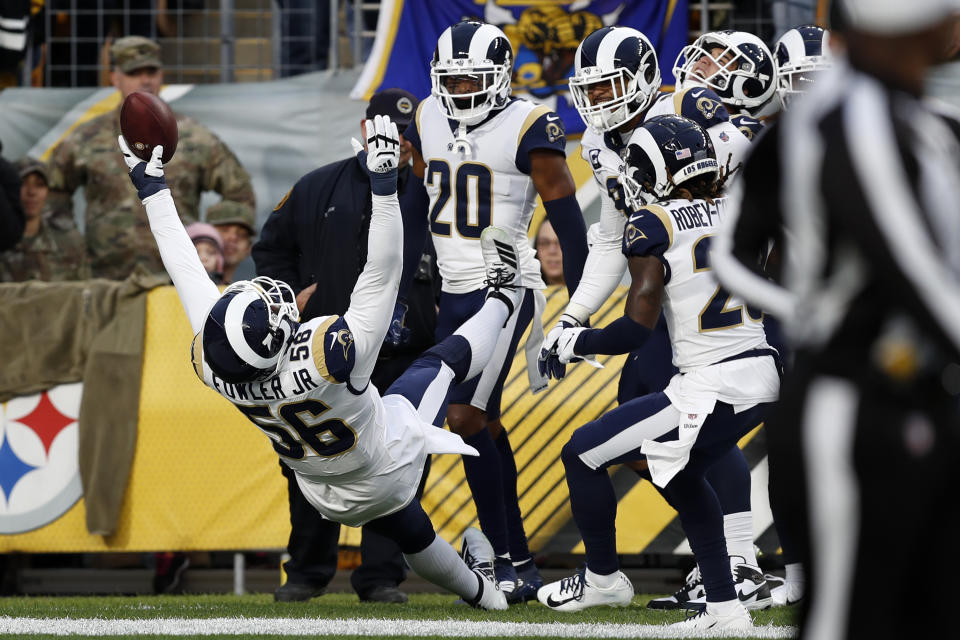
{"x":375,"y":294}
{"x":197,"y":292}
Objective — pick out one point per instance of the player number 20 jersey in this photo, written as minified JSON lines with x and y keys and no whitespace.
{"x":469,"y":192}
{"x":707,"y":324}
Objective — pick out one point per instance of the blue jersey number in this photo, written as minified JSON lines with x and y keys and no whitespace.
{"x":296,"y":426}
{"x":716,"y":314}
{"x":473,"y":182}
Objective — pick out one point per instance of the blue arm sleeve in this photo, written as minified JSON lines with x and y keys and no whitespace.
{"x":546,"y":132}
{"x":413,"y":210}
{"x":623,"y":335}
{"x":567,"y":220}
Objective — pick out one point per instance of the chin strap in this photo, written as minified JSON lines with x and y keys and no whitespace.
{"x":462,"y":144}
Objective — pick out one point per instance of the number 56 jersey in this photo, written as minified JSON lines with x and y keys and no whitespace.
{"x":354,"y":460}
{"x":706,"y":323}
{"x":482,"y":181}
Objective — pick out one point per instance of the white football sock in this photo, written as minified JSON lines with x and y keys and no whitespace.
{"x":738,"y":530}
{"x":442,"y":565}
{"x":794,"y":572}
{"x":601,"y":581}
{"x":482,"y":331}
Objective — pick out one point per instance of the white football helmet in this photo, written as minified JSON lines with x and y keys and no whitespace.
{"x":742,"y":72}
{"x":624,"y":58}
{"x":802,"y":53}
{"x":481,"y":52}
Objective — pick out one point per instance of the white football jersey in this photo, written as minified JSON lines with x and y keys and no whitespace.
{"x":487,"y":186}
{"x":335,"y":437}
{"x":707,"y":324}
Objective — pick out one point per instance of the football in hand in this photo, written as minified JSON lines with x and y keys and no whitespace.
{"x":147,"y":121}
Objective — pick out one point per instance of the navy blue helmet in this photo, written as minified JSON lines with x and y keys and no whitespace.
{"x":624,"y":59}
{"x":802,"y":53}
{"x":737,"y":65}
{"x":661,"y":155}
{"x":248,"y":328}
{"x":481,"y":53}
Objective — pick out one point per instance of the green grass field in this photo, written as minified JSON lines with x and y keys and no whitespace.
{"x":332,"y":616}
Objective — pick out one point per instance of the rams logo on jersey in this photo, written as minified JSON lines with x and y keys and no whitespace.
{"x":554,"y":132}
{"x":708,"y":107}
{"x":345,"y":339}
{"x":595,"y":158}
{"x":632,"y":234}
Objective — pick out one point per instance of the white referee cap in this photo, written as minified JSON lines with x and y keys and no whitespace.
{"x":895,"y":17}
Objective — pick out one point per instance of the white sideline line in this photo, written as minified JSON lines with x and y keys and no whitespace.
{"x":358,"y":627}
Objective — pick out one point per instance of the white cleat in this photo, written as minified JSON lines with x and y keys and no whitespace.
{"x":477,"y":553}
{"x":576,"y":593}
{"x":690,"y":596}
{"x":751,"y":586}
{"x":722,"y":616}
{"x":502,"y":263}
{"x":786,"y":593}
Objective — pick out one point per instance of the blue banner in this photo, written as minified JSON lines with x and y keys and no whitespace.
{"x":544,"y":38}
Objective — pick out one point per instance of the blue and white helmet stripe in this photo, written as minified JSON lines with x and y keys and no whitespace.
{"x":801,"y":53}
{"x":626,"y":59}
{"x":247,"y":329}
{"x":474,"y":49}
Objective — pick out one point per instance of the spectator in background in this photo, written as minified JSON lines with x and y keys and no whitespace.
{"x":209,"y":246}
{"x":549,"y":253}
{"x":11,"y":211}
{"x":49,"y":249}
{"x":318,"y":233}
{"x":236,"y":224}
{"x":117,"y":234}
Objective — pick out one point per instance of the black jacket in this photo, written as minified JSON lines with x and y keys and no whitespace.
{"x":318,"y":233}
{"x":11,"y":211}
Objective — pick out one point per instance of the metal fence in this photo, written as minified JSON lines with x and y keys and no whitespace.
{"x":202,"y":41}
{"x":205,"y":41}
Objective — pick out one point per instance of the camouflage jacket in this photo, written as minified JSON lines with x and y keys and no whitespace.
{"x":58,"y":252}
{"x":118,"y":235}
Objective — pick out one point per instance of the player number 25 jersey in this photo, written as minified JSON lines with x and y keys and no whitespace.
{"x":707,"y":324}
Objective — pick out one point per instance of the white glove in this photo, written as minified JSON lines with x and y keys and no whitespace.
{"x":147,"y":177}
{"x":565,"y":343}
{"x":383,"y":144}
{"x":382,"y":154}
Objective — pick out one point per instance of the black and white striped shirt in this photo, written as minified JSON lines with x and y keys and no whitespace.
{"x":859,"y":184}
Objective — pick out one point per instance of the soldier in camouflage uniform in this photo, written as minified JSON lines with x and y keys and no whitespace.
{"x":117,"y":233}
{"x":49,"y":250}
{"x":237,"y":226}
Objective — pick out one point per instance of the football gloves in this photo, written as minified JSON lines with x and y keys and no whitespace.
{"x":398,"y":334}
{"x":382,"y":156}
{"x":548,"y":363}
{"x":147,"y":177}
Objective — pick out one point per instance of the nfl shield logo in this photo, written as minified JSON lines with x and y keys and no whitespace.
{"x":724,"y":136}
{"x":39,"y":472}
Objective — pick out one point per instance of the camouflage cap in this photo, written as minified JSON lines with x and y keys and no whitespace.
{"x":27,"y":165}
{"x":135,"y":52}
{"x":229,"y":212}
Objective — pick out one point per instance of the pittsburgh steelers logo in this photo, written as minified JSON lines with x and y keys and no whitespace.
{"x":39,"y":473}
{"x":404,"y":105}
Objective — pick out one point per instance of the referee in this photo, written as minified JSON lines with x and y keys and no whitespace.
{"x":858,"y":187}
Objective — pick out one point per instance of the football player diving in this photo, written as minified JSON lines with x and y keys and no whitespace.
{"x":358,"y":455}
